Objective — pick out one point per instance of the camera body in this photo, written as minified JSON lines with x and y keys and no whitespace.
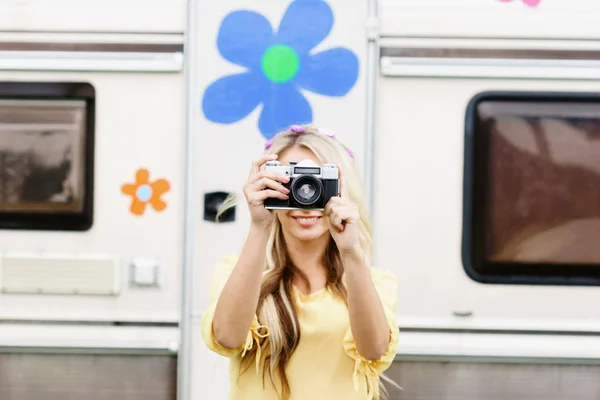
{"x":311,"y":186}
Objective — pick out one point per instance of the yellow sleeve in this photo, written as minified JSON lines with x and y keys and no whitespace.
{"x":386,"y":285}
{"x":221,"y":274}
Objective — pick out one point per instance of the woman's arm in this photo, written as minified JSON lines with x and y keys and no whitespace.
{"x":238,"y":300}
{"x":368,"y":321}
{"x":237,"y":303}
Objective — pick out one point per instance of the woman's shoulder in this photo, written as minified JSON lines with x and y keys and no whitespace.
{"x":228,"y":260}
{"x":383,"y":278}
{"x":226,"y":264}
{"x":221,"y":272}
{"x":381,"y":273}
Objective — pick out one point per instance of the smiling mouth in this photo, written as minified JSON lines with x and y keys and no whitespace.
{"x":307,"y":221}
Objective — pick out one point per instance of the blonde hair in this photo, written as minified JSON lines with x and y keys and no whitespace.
{"x":275,"y":307}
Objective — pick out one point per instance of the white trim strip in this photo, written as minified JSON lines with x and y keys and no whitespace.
{"x":185,"y":366}
{"x":87,"y":37}
{"x":90,"y":61}
{"x":489,"y":68}
{"x":89,"y":337}
{"x":564,"y":325}
{"x":476,"y":345}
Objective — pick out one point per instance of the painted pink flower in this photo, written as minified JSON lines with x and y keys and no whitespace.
{"x":530,"y":3}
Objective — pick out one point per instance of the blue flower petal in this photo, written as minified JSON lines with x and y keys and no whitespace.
{"x":305,"y":24}
{"x":243,"y":37}
{"x":284,"y":106}
{"x":331,"y":72}
{"x":233,"y":97}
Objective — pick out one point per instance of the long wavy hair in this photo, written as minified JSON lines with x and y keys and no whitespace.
{"x":276,"y":308}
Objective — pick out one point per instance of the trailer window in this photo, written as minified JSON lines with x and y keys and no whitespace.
{"x":532,"y":188}
{"x":46,"y":156}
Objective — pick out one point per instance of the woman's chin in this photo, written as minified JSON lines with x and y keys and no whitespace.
{"x":313,"y":233}
{"x":305,"y":226}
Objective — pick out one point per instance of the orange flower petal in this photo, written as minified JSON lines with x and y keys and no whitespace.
{"x":129,"y":189}
{"x":158,"y":204}
{"x":137,"y":207}
{"x":159,"y":187}
{"x":141,"y":176}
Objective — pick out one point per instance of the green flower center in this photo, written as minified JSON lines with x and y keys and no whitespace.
{"x":280,"y":63}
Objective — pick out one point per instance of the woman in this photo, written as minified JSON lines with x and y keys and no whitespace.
{"x":300,"y":304}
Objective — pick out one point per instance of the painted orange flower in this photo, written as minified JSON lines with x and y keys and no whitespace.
{"x":144,"y":192}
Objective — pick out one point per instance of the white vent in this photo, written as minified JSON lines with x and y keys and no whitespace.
{"x":60,"y":274}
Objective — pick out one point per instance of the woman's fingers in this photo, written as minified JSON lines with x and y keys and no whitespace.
{"x":339,"y":214}
{"x":263,"y":184}
{"x":266,"y":182}
{"x":333,"y":202}
{"x":258,"y":198}
{"x":268,"y":174}
{"x":256,"y":164}
{"x":341,"y":179}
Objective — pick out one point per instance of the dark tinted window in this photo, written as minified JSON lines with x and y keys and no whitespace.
{"x":532,"y":188}
{"x":46,"y":156}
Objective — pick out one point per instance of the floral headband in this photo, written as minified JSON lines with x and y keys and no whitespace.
{"x":301,"y":129}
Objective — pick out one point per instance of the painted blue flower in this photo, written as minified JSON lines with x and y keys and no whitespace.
{"x":278,"y":65}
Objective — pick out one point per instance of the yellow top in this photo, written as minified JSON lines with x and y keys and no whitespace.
{"x":325,"y":364}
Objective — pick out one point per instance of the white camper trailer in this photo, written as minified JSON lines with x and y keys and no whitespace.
{"x":123,"y":124}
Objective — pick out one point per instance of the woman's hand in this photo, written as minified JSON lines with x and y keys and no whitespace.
{"x":344,"y":221}
{"x":260,"y":186}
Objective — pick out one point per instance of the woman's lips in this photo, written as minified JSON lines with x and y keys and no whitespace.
{"x":306,"y":221}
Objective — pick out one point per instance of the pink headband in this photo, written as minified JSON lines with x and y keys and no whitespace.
{"x":301,"y":129}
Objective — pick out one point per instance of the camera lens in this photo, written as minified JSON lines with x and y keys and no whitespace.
{"x":306,"y":190}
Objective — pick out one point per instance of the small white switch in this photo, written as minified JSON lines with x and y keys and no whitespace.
{"x":144,"y":272}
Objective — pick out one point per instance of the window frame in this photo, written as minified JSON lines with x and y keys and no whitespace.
{"x":474,"y":188}
{"x":83,"y":220}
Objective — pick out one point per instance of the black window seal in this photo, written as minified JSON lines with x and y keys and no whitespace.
{"x":57,"y":91}
{"x":473,"y":222}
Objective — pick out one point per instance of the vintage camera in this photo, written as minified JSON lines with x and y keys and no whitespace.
{"x":311,"y":186}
